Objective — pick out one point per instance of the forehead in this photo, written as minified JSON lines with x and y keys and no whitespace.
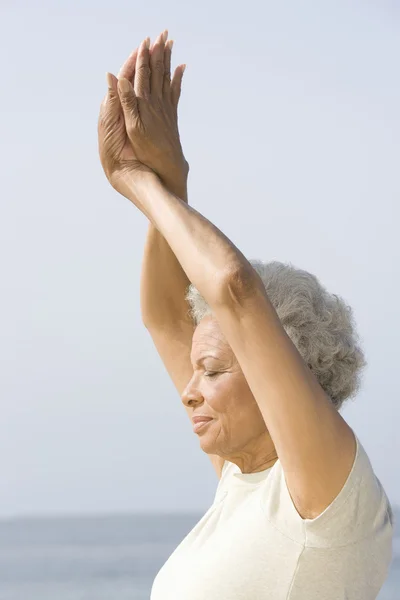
{"x":208,"y":337}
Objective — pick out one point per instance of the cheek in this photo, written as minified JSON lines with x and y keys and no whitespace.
{"x":229,"y":398}
{"x":218,"y":403}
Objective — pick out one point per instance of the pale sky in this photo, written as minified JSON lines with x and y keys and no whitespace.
{"x":289,"y":118}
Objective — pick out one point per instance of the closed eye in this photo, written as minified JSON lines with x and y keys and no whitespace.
{"x":210,"y":374}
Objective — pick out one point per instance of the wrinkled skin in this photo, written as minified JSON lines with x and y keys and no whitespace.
{"x":138,"y":127}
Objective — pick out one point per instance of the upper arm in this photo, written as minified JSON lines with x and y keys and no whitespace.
{"x":173,"y":344}
{"x":315,"y":445}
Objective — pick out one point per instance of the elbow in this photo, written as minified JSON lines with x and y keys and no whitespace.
{"x":239,"y":283}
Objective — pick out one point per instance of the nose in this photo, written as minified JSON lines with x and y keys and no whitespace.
{"x":191,"y":395}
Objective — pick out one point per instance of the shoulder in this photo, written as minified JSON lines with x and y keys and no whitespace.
{"x":360,"y":509}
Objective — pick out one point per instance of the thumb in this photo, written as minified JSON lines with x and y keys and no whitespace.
{"x":129,"y":101}
{"x":111,"y":106}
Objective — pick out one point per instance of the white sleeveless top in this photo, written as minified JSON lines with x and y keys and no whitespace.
{"x":253,"y":545}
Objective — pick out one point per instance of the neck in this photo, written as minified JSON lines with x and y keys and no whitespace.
{"x":256,"y":461}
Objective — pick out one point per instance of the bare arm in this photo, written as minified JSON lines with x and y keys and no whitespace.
{"x":163,"y":282}
{"x":164,"y":310}
{"x":155,"y":99}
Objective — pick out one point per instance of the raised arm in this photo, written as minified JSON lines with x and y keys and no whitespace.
{"x":149,"y":69}
{"x":153,"y":138}
{"x":313,"y":442}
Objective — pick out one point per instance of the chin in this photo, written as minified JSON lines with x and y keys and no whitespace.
{"x":207,"y":445}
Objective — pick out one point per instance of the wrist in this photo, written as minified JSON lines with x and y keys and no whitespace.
{"x":176,"y":187}
{"x":176,"y":180}
{"x":134,"y":184}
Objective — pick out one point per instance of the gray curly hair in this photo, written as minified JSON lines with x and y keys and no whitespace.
{"x":320,"y":325}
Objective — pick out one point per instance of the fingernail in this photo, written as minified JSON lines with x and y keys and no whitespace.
{"x":109,"y":80}
{"x":183,"y":69}
{"x":165,"y":35}
{"x":124,"y":85}
{"x":147,"y":41}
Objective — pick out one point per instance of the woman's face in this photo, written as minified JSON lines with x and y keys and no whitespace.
{"x":218,"y":389}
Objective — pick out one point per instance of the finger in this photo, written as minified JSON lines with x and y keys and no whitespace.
{"x":128,"y":68}
{"x":157,"y":64}
{"x":129,"y":103}
{"x":176,"y":85}
{"x":111,"y":106}
{"x":110,"y":109}
{"x":142,"y":72}
{"x":167,"y":67}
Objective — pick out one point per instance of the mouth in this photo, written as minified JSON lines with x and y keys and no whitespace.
{"x":201,"y":425}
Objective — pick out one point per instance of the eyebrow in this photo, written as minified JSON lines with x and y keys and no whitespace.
{"x":202,"y":359}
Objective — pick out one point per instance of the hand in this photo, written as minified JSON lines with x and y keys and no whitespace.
{"x":117,"y":156}
{"x":149,"y":101}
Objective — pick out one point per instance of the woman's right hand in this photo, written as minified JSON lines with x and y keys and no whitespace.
{"x":150,"y":108}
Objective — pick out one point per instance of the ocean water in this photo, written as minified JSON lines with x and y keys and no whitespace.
{"x":101,"y":558}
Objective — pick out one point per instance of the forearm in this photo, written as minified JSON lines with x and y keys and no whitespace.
{"x":205,"y":254}
{"x":163,"y":282}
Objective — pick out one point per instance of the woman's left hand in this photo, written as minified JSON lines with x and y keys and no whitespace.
{"x":117,"y":156}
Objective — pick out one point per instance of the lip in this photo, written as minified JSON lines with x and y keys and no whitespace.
{"x":201,"y":424}
{"x":200,"y":418}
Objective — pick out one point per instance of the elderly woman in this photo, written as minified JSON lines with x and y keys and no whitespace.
{"x":263,"y":362}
